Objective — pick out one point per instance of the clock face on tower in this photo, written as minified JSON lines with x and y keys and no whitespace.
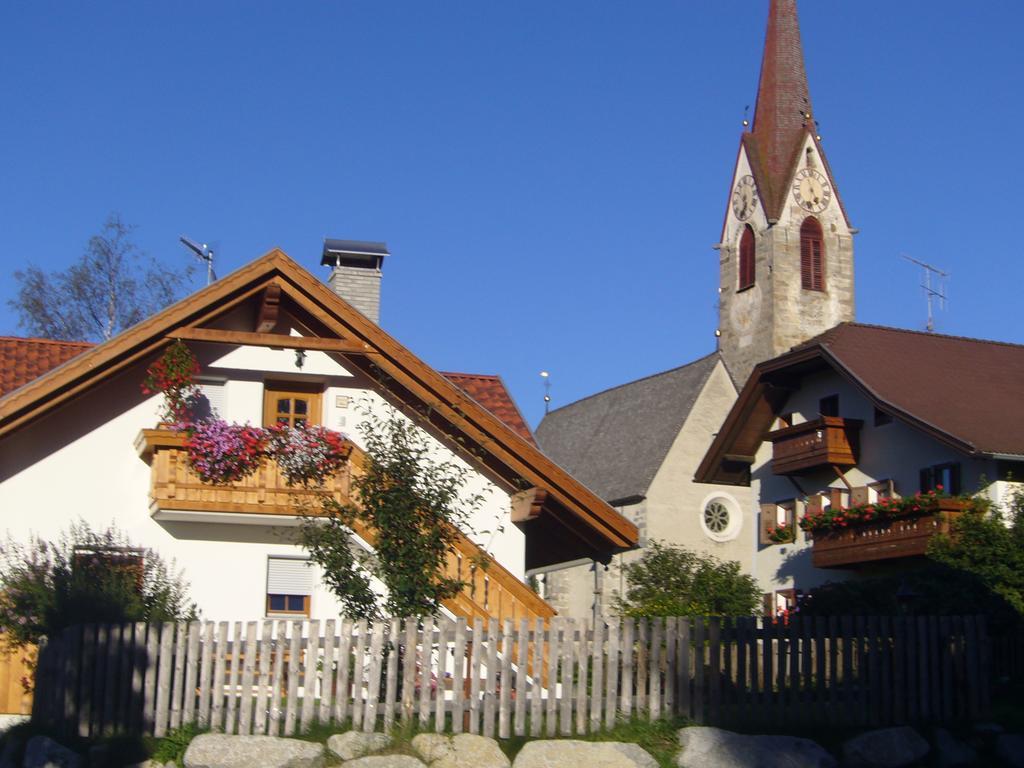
{"x":812,"y":191}
{"x":744,"y":198}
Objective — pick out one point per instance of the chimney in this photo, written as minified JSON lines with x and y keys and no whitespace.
{"x":356,"y":273}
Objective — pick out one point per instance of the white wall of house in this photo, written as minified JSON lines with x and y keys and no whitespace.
{"x":893,"y":451}
{"x":79,"y":462}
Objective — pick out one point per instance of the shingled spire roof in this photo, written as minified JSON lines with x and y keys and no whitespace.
{"x":783,"y":116}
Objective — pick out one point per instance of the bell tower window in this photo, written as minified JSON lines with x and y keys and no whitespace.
{"x":746,"y":258}
{"x":812,"y":255}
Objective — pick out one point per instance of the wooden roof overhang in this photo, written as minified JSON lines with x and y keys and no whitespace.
{"x":582,"y":524}
{"x":763,"y":398}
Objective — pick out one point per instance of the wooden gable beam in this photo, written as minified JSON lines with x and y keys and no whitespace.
{"x":270,"y":308}
{"x":275,"y":340}
{"x":528,"y":505}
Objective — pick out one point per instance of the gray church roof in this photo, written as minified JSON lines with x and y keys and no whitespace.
{"x":615,"y":441}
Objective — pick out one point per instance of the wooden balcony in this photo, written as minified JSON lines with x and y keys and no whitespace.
{"x":881,"y":539}
{"x":175,"y":487}
{"x":827,"y":441}
{"x":491,"y":590}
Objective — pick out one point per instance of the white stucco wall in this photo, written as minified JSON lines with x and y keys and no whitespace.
{"x":894,"y":451}
{"x":79,"y":461}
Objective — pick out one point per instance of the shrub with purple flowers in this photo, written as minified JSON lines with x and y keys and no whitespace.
{"x":222,"y":453}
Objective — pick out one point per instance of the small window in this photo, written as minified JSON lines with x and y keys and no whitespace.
{"x":210,"y":401}
{"x":778,"y":523}
{"x":812,"y":255}
{"x":829,"y":406}
{"x":945,"y":475}
{"x":289,"y":586}
{"x":720,"y":518}
{"x":882,"y":418}
{"x":747,"y":258}
{"x":291,"y":404}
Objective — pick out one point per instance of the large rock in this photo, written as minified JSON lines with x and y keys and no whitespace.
{"x":41,"y":752}
{"x":218,"y":750}
{"x":353,"y":744}
{"x":464,"y":750}
{"x":885,"y":748}
{"x":714,"y":748}
{"x":567,"y":753}
{"x":385,"y":761}
{"x":1010,"y":749}
{"x":950,"y":752}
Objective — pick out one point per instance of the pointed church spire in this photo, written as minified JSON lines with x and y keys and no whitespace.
{"x":783,"y":114}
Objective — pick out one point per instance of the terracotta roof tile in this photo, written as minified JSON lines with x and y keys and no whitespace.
{"x":22,"y":360}
{"x":491,"y":392}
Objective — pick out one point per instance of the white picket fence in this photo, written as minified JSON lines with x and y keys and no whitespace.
{"x":280,"y":677}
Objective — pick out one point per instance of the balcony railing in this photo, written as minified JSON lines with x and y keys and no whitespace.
{"x":890,"y":539}
{"x":491,"y":590}
{"x":826,"y":441}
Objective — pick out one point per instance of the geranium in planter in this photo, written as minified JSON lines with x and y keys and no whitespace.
{"x":222,"y":453}
{"x":783,"y":534}
{"x":837,"y":518}
{"x":173,"y":375}
{"x":307,"y":455}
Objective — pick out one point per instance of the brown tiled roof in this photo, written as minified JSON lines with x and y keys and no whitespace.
{"x":967,"y":389}
{"x":963,"y":392}
{"x":22,"y":360}
{"x":491,"y":392}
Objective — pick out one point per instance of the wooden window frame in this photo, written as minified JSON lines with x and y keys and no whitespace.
{"x":747,"y":259}
{"x":274,"y":390}
{"x":928,"y":479}
{"x":772,"y":515}
{"x":305,"y":606}
{"x":812,"y":255}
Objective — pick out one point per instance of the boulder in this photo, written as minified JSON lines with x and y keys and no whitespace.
{"x":1010,"y":749}
{"x":385,"y":761}
{"x":950,"y":752}
{"x":704,"y":747}
{"x":885,"y":748}
{"x":568,"y":753}
{"x":218,"y":750}
{"x":464,"y":750}
{"x":353,"y":744}
{"x":41,"y":752}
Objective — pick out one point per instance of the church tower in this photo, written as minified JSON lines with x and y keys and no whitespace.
{"x":786,"y":253}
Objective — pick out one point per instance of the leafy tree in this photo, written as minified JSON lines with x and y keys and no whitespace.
{"x":669,"y":580}
{"x":111,"y":287}
{"x":85,"y":577}
{"x":986,"y":542}
{"x":415,"y":503}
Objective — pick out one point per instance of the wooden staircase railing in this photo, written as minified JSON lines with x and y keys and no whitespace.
{"x":491,"y":591}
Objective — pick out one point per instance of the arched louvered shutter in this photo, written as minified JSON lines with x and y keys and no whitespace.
{"x":746,"y":258}
{"x":812,"y":255}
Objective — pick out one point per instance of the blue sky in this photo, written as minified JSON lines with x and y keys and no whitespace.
{"x":549,"y":176}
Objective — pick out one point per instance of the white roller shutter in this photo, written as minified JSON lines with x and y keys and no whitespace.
{"x":289,"y":576}
{"x":216,"y":395}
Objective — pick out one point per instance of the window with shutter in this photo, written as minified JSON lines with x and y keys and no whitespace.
{"x":289,"y":585}
{"x":812,"y":255}
{"x":747,"y":255}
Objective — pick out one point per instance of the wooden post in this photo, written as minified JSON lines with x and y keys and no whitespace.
{"x":611,"y":704}
{"x":293,"y":667}
{"x":442,"y":684}
{"x":177,"y":690}
{"x":152,"y":670}
{"x":310,"y":660}
{"x":642,"y":660}
{"x":597,"y":676}
{"x":522,"y":673}
{"x":359,"y":675}
{"x":459,"y":676}
{"x":714,"y":668}
{"x":698,"y":669}
{"x":391,"y":688}
{"x":568,"y":643}
{"x":628,"y":628}
{"x":582,"y":664}
{"x":343,"y":674}
{"x":474,"y":680}
{"x":249,"y":665}
{"x":409,"y":669}
{"x":683,"y":654}
{"x":163,"y":685}
{"x":330,"y":645}
{"x":277,"y":684}
{"x":373,"y":684}
{"x":426,"y":649}
{"x":505,"y":700}
{"x":235,"y":657}
{"x":205,"y":695}
{"x":537,"y":684}
{"x":490,"y":692}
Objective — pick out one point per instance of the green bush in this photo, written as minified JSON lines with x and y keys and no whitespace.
{"x":669,"y":580}
{"x":85,"y":577}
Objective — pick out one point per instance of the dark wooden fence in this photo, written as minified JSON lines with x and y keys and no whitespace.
{"x":279,"y":677}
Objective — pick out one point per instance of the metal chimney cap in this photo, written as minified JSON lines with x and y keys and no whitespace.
{"x":353,"y":253}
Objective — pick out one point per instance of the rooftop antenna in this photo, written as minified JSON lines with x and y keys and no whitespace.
{"x":746,"y":121}
{"x":547,"y":391}
{"x":930,"y":292}
{"x":203,"y":253}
